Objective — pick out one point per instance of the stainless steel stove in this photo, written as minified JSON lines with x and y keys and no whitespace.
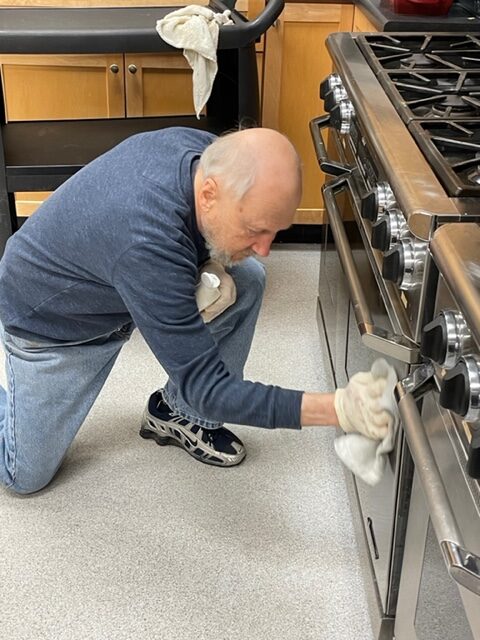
{"x":443,"y":533}
{"x":403,"y":153}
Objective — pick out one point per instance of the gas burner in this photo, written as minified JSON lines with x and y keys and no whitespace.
{"x":417,"y":61}
{"x":453,"y":106}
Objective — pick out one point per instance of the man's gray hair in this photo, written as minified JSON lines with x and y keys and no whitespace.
{"x":227,"y":159}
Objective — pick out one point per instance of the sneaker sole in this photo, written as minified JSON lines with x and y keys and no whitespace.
{"x":147,"y":433}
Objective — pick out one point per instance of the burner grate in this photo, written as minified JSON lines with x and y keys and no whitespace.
{"x":433,"y":81}
{"x":453,"y":150}
{"x":412,"y":52}
{"x":435,"y":94}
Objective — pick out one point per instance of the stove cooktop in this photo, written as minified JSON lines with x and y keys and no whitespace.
{"x":433,"y":81}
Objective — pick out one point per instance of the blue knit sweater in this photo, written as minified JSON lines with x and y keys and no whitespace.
{"x":119,"y":241}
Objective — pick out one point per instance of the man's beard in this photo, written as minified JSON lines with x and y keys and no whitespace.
{"x":225,"y":258}
{"x":220,"y":256}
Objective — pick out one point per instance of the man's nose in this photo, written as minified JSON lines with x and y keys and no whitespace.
{"x":263,"y":244}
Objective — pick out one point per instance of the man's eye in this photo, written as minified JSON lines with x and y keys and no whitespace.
{"x":252,"y":232}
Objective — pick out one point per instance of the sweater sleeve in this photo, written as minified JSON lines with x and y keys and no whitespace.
{"x":157,"y":285}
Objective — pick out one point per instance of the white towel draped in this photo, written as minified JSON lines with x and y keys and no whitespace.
{"x":195,"y":30}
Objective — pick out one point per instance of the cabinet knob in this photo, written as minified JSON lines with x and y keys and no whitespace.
{"x":132,"y":68}
{"x":114,"y":68}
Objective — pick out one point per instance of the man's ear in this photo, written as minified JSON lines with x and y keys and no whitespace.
{"x":207,"y":194}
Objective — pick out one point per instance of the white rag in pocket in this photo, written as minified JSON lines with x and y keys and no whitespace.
{"x":216,"y":290}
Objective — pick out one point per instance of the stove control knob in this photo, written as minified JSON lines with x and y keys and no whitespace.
{"x":404,"y":263}
{"x":377,"y":201}
{"x":331,"y":81}
{"x":460,"y":389}
{"x":334,"y":96}
{"x":446,"y":338}
{"x":473,"y":464}
{"x":341,"y":116}
{"x":389,"y":229}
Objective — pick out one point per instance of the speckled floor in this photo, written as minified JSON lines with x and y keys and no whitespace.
{"x":135,"y":541}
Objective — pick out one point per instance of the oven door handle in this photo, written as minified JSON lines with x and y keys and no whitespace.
{"x":463,"y":565}
{"x":328,"y":166}
{"x":389,"y":344}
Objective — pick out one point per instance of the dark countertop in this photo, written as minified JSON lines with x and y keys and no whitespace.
{"x":459,"y":18}
{"x":97,"y":30}
{"x":381,"y":14}
{"x":114,"y":30}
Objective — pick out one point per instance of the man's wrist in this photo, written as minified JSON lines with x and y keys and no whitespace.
{"x":318,"y":409}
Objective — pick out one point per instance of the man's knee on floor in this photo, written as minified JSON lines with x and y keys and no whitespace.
{"x":27,"y":486}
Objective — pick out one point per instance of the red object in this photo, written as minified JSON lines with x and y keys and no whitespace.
{"x":422,"y":7}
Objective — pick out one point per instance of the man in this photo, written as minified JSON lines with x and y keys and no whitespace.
{"x":120,"y":245}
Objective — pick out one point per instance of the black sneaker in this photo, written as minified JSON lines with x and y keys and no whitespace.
{"x":219,"y":447}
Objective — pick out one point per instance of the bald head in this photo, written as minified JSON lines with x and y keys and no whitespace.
{"x":257,"y":159}
{"x":247,"y":188}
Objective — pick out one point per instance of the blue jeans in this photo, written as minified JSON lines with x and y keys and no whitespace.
{"x":52,"y":386}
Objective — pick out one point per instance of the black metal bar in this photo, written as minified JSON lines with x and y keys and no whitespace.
{"x":112,"y":30}
{"x":248,"y":96}
{"x":5,"y":201}
{"x":223,"y":101}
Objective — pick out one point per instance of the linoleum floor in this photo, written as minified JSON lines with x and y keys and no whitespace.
{"x":132,"y":541}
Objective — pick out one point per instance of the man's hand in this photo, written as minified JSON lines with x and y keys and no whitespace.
{"x":359,"y":406}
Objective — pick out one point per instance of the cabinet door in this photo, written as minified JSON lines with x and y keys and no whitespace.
{"x":158,"y":85}
{"x":296,"y":61}
{"x":361,"y":23}
{"x":50,"y":87}
{"x":63,"y":87}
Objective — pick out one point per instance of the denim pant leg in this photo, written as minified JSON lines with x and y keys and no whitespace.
{"x":51,"y":389}
{"x":232,"y":330}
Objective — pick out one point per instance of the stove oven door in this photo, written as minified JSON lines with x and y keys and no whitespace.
{"x":356,"y":328}
{"x":439,"y":595}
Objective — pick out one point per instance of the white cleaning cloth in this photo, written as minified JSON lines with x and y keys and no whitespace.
{"x":195,"y":30}
{"x":364,"y":456}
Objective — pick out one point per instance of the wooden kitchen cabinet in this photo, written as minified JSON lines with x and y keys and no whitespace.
{"x":296,"y":61}
{"x":158,"y":85}
{"x":69,"y":87}
{"x":51,"y":87}
{"x":96,"y":86}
